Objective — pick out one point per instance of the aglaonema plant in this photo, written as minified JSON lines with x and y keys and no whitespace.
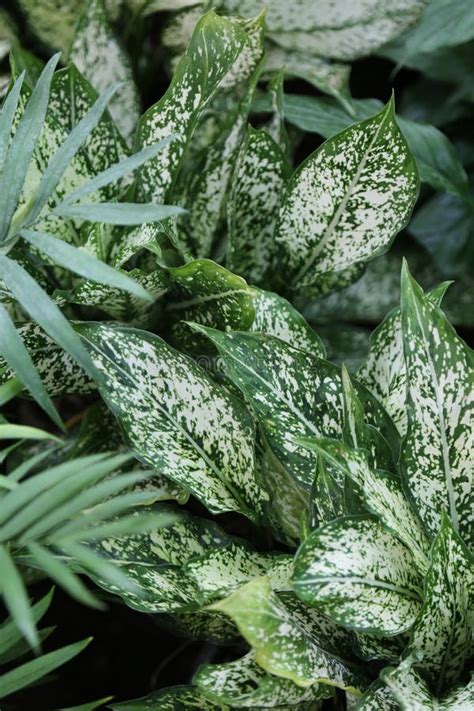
{"x":352,"y":582}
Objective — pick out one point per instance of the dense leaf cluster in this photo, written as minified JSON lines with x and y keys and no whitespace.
{"x":206,"y":297}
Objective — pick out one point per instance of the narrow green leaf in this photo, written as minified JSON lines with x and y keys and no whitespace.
{"x":119,"y":213}
{"x":59,"y":572}
{"x":22,"y":146}
{"x":42,"y":309}
{"x":82,"y":263}
{"x":63,"y":156}
{"x":119,"y":170}
{"x":28,"y":673}
{"x":8,"y":431}
{"x":10,"y":634}
{"x":15,"y":597}
{"x":7,"y":115}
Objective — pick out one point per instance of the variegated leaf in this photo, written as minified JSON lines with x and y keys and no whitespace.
{"x":176,"y":419}
{"x":214,"y":627}
{"x":377,"y":698}
{"x":259,"y":180}
{"x":244,"y":684}
{"x":329,"y":77}
{"x":189,"y":566}
{"x":70,"y":98}
{"x":206,"y":191}
{"x":97,"y":53}
{"x":292,"y":392}
{"x":442,"y":634}
{"x":347,"y":201}
{"x":119,"y":304}
{"x":283,"y":644}
{"x":382,"y":493}
{"x":412,"y":693}
{"x":338,"y":30}
{"x":184,"y":698}
{"x":384,"y":371}
{"x":436,"y":452}
{"x":215,"y":45}
{"x":207,"y":293}
{"x":362,"y":576}
{"x":275,"y":316}
{"x":60,"y":373}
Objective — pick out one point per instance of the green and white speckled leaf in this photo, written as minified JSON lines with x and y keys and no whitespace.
{"x":119,"y":304}
{"x":98,"y":55}
{"x":204,"y":625}
{"x":358,"y":573}
{"x":70,"y":98}
{"x":347,"y":201}
{"x":358,"y":434}
{"x":184,"y":698}
{"x":442,"y":633}
{"x":329,"y":77}
{"x":339,"y":30}
{"x":384,"y":371}
{"x":283,"y":644}
{"x":244,"y":684}
{"x":292,"y":392}
{"x":60,"y":373}
{"x":176,"y":419}
{"x":191,"y":565}
{"x":215,"y":45}
{"x":383,"y":496}
{"x":377,"y":698}
{"x":275,"y":316}
{"x":259,"y":180}
{"x":412,"y":694}
{"x":436,"y":451}
{"x":207,"y":293}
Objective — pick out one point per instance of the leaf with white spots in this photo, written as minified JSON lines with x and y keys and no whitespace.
{"x":338,"y":30}
{"x":59,"y":372}
{"x":436,"y":453}
{"x":275,"y":316}
{"x":206,"y":191}
{"x":119,"y":304}
{"x":347,"y":201}
{"x":98,"y":55}
{"x":284,"y":643}
{"x":329,"y":77}
{"x":215,"y":45}
{"x":191,"y":565}
{"x":258,"y":183}
{"x":359,"y":574}
{"x":184,"y":698}
{"x":442,"y":634}
{"x":244,"y":684}
{"x":382,"y":493}
{"x":176,"y":419}
{"x":70,"y":99}
{"x":412,"y":693}
{"x":292,"y":393}
{"x":377,"y":698}
{"x":207,"y":293}
{"x":384,"y":371}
